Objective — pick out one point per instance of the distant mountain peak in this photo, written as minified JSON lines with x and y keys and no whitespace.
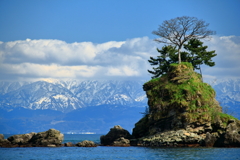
{"x":70,"y":95}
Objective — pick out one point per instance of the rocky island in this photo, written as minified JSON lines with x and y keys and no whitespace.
{"x":183,"y":111}
{"x":49,"y":138}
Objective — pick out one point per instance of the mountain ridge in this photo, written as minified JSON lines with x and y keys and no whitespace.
{"x":103,"y":105}
{"x":66,"y":96}
{"x":74,"y":94}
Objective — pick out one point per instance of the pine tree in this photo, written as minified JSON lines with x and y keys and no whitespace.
{"x":163,"y":62}
{"x":195,"y":54}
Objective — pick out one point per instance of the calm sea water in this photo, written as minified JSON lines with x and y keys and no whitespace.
{"x":115,"y":153}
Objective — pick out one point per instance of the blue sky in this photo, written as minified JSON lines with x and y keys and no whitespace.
{"x":104,"y":36}
{"x":108,"y":20}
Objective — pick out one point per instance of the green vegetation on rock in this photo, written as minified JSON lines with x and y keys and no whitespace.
{"x":179,"y":99}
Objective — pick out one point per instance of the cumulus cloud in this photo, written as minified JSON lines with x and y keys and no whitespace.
{"x":46,"y":58}
{"x":52,"y":51}
{"x":227,"y":59}
{"x":85,"y":60}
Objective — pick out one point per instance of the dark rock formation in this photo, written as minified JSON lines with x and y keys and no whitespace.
{"x":113,"y":135}
{"x":232,"y":135}
{"x":21,"y":139}
{"x":68,"y":144}
{"x":122,"y":142}
{"x":4,"y":142}
{"x":177,"y":138}
{"x":210,"y":139}
{"x":86,"y":143}
{"x":50,"y":138}
{"x":183,"y":112}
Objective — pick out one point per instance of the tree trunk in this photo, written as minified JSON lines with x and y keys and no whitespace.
{"x":201,"y":72}
{"x":179,"y":56}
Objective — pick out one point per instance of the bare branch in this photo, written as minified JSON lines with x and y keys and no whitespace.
{"x":179,"y":30}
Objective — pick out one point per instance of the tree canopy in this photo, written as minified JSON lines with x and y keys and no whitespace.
{"x":179,"y":30}
{"x":195,"y":53}
{"x":162,"y":62}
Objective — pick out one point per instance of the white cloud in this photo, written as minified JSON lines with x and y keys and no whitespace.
{"x":122,"y":71}
{"x":49,"y":51}
{"x":51,"y":71}
{"x":58,"y":59}
{"x":39,"y":59}
{"x":228,"y":56}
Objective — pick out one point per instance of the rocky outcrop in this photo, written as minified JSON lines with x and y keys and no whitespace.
{"x":86,"y":143}
{"x":232,"y":135}
{"x":21,"y":139}
{"x":117,"y":136}
{"x":4,"y":142}
{"x":50,"y":138}
{"x":179,"y":138}
{"x":122,"y":142}
{"x":69,"y":144}
{"x":210,"y":139}
{"x":183,"y":112}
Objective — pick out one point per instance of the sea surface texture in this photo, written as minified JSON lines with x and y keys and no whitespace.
{"x":113,"y":153}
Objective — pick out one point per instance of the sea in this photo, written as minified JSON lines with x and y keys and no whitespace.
{"x":114,"y":153}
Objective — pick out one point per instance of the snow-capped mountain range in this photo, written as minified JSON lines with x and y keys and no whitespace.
{"x":70,"y":95}
{"x":66,"y":96}
{"x":86,"y":106}
{"x":229,"y":88}
{"x":228,"y":95}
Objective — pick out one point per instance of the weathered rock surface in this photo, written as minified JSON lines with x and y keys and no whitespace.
{"x":21,"y":139}
{"x":177,"y":138}
{"x":86,"y":143}
{"x":4,"y":142}
{"x":113,"y":136}
{"x":1,"y":137}
{"x":43,"y":139}
{"x":183,"y":112}
{"x":121,"y":142}
{"x":68,"y":144}
{"x":50,"y":138}
{"x":232,"y":135}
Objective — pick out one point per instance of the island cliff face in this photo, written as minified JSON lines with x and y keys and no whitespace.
{"x":183,"y":112}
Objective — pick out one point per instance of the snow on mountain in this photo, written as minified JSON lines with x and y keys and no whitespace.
{"x":70,"y":95}
{"x":86,"y":105}
{"x":6,"y":87}
{"x":95,"y":93}
{"x":228,"y":94}
{"x":41,"y":95}
{"x":228,"y":88}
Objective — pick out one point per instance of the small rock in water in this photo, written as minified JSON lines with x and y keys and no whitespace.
{"x":113,"y":135}
{"x":86,"y":143}
{"x":68,"y":144}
